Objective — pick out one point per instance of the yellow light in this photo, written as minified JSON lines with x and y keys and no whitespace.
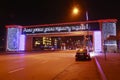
{"x":44,"y":40}
{"x":75,"y":10}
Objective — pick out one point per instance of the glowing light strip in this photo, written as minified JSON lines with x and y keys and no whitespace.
{"x":97,"y":41}
{"x":111,"y":44}
{"x":22,"y":43}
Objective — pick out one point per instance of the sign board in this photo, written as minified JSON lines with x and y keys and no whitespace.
{"x":55,"y":29}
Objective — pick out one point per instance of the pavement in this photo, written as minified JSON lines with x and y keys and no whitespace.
{"x":109,"y":65}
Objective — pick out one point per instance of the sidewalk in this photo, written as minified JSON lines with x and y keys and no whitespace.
{"x":110,"y":66}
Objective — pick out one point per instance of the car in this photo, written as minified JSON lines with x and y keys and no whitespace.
{"x":82,"y":54}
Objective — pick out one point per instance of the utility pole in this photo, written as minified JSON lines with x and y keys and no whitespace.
{"x":86,"y":15}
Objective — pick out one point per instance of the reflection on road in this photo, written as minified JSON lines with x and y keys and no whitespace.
{"x":45,"y":66}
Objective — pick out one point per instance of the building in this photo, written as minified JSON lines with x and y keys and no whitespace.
{"x":62,"y":36}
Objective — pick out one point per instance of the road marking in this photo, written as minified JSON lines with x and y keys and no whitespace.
{"x":44,"y":61}
{"x":15,"y":70}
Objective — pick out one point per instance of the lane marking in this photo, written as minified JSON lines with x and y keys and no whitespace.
{"x":44,"y":61}
{"x":15,"y":70}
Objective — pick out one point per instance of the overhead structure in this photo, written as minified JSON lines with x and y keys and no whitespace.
{"x":32,"y":37}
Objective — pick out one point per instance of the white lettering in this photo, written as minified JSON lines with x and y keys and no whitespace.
{"x":37,"y":30}
{"x":27,"y":30}
{"x":55,"y":29}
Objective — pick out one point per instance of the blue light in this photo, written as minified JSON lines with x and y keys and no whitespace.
{"x":13,"y":39}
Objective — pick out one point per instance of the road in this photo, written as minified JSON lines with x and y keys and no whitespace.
{"x":58,"y":65}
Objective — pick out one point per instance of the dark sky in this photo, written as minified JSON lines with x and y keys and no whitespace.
{"x":27,"y":12}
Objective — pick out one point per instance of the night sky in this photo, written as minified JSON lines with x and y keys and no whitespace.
{"x":27,"y":12}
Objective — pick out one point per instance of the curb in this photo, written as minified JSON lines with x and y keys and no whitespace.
{"x":102,"y":74}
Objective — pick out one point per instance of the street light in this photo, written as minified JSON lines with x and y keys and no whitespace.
{"x":75,"y":10}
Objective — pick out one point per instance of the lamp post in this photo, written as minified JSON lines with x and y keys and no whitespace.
{"x":86,"y":16}
{"x":76,"y":11}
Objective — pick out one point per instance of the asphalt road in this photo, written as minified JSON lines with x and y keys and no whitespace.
{"x":59,"y":65}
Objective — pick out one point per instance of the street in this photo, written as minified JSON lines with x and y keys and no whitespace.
{"x":57,"y":65}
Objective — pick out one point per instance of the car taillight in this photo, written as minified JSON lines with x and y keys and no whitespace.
{"x":81,"y":50}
